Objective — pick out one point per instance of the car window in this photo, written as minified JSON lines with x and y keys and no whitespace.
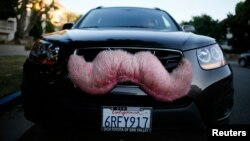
{"x":128,"y":18}
{"x":166,"y":22}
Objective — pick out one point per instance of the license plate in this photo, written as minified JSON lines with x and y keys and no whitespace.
{"x":126,"y":119}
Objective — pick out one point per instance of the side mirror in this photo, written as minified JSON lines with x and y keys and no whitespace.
{"x":188,"y":28}
{"x":67,"y":26}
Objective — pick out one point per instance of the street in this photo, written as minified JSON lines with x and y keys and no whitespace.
{"x":13,"y":125}
{"x":241,"y":111}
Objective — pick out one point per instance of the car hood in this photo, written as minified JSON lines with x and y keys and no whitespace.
{"x":79,"y":38}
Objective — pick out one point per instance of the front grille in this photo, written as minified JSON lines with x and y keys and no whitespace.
{"x":168,"y":57}
{"x":170,"y":60}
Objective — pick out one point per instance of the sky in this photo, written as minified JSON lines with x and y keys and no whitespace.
{"x":181,"y":10}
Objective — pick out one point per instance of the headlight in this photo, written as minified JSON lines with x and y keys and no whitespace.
{"x":210,"y":57}
{"x":44,"y":53}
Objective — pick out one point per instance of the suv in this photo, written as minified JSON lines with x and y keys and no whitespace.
{"x":127,"y":69}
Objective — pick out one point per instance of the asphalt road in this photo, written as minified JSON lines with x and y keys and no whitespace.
{"x":13,"y":125}
{"x":241,"y":110}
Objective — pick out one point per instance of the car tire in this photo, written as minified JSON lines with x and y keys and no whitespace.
{"x":243,"y":62}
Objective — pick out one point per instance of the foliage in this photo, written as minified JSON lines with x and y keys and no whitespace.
{"x":205,"y":25}
{"x":39,"y":9}
{"x":239,"y":25}
{"x":71,"y":17}
{"x":8,"y":9}
{"x":49,"y":27}
{"x":78,"y":17}
{"x":37,"y":30}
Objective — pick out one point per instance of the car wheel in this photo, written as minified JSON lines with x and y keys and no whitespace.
{"x":243,"y":62}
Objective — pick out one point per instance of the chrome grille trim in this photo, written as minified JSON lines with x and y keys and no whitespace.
{"x":169,"y":58}
{"x":136,"y":48}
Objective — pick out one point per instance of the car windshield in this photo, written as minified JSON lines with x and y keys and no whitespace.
{"x":128,"y":18}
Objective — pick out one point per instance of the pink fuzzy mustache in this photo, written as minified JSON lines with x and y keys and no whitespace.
{"x":143,"y":68}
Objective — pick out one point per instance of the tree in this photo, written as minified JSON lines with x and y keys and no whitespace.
{"x":38,"y":8}
{"x":22,"y":11}
{"x":37,"y":30}
{"x":242,"y":30}
{"x":49,"y":27}
{"x":8,"y":9}
{"x":239,"y":25}
{"x":205,"y":25}
{"x":71,"y":17}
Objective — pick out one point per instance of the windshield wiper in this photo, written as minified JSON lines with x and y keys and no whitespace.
{"x":133,"y":26}
{"x":90,"y":27}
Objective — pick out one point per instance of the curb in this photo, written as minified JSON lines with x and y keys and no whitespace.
{"x":9,"y":100}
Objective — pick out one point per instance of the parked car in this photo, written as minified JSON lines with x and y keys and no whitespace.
{"x":103,"y":72}
{"x":244,"y":59}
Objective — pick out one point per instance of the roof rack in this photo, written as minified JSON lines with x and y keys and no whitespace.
{"x":156,"y":8}
{"x":99,"y":7}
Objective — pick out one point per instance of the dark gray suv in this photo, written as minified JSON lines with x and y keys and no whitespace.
{"x":127,"y":69}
